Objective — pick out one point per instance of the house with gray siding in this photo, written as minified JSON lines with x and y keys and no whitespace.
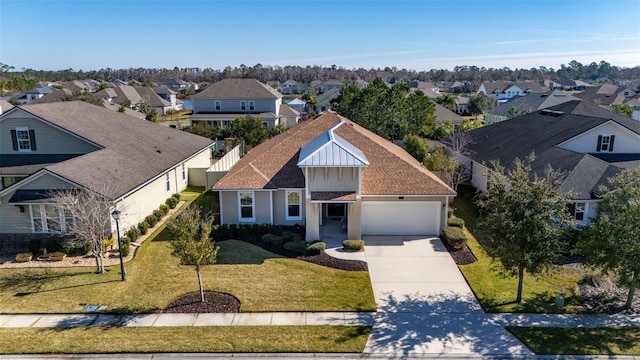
{"x":329,"y":169}
{"x":135,"y":163}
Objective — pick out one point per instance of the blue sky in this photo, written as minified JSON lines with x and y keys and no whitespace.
{"x":420,"y":34}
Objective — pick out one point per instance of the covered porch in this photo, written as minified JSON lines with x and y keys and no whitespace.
{"x":333,"y":215}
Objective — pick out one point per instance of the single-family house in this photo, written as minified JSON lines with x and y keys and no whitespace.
{"x":297,"y":105}
{"x":174,"y":84}
{"x":5,"y":106}
{"x":328,"y":85}
{"x":34,"y":94}
{"x":504,"y":90}
{"x":462,"y":105}
{"x":521,"y":105}
{"x":428,"y":88}
{"x":606,"y":95}
{"x":330,"y":169}
{"x":324,"y":100}
{"x":587,"y":143}
{"x":170,"y":96}
{"x":75,"y":145}
{"x":149,"y":97}
{"x":224,"y":101}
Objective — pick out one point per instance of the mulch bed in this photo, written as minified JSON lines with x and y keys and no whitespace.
{"x":462,"y":256}
{"x":214,"y":302}
{"x":329,"y":261}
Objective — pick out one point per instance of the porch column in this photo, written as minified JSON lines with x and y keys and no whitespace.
{"x":354,"y":220}
{"x":312,"y":223}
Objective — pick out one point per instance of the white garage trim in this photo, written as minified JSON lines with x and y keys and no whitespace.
{"x":401,"y":217}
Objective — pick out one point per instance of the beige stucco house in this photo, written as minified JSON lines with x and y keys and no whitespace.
{"x":74,"y":145}
{"x":327,"y":169}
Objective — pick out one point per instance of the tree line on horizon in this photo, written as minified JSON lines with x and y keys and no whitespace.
{"x":472,"y":75}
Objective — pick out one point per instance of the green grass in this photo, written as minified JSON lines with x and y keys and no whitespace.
{"x":261,"y":280}
{"x":184,"y":339}
{"x":496,"y":292}
{"x":580,"y":341}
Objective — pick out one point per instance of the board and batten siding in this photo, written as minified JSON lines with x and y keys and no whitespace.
{"x":333,"y":179}
{"x":280,"y":208}
{"x":49,"y":139}
{"x":230,"y":203}
{"x":626,"y":142}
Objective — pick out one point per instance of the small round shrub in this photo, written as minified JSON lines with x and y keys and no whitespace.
{"x":271,"y":239}
{"x":176,"y":196}
{"x":316,"y":248}
{"x":353,"y":245}
{"x":296,"y":246}
{"x":108,"y":242}
{"x":172,"y":202}
{"x":158,"y":214}
{"x":143,"y":226}
{"x":455,"y":221}
{"x":454,"y":236}
{"x":34,"y":246}
{"x":125,"y":241}
{"x":164,"y":208}
{"x":288,"y":235}
{"x":133,"y":233}
{"x":151,"y":220}
{"x":450,"y":211}
{"x":53,"y":245}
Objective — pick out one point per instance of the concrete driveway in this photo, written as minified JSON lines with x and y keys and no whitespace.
{"x":425,"y":306}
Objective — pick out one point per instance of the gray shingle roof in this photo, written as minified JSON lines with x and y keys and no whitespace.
{"x":133,"y":151}
{"x":238,"y":89}
{"x":533,"y":102}
{"x":491,"y":86}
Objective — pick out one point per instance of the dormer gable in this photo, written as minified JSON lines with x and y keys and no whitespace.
{"x":331,"y":150}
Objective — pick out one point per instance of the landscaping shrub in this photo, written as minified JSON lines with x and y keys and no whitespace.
{"x":151,"y":220}
{"x":455,"y":236}
{"x":455,"y":221}
{"x":133,"y":233}
{"x":143,"y":226}
{"x":296,"y":246}
{"x":253,"y":233}
{"x":288,"y":235}
{"x":172,"y":202}
{"x":353,"y":245}
{"x":272,"y":239}
{"x":125,"y":241}
{"x":74,"y":248}
{"x":164,"y":208}
{"x":316,"y":248}
{"x":53,"y":245}
{"x":176,"y":196}
{"x":158,"y":214}
{"x":34,"y":246}
{"x":450,"y":211}
{"x":108,"y":242}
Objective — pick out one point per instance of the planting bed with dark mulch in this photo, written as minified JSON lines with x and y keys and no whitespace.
{"x":214,"y":302}
{"x":329,"y":261}
{"x":462,"y":256}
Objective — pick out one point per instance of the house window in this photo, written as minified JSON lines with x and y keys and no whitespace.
{"x":577,"y":210}
{"x":23,"y":139}
{"x":218,"y":105}
{"x":605,"y":143}
{"x":293,"y":205}
{"x":47,"y":218}
{"x":252,"y":105}
{"x":246,"y":206}
{"x":243,"y":105}
{"x":167,"y":182}
{"x":184,"y":173}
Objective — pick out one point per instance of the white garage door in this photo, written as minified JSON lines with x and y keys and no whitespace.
{"x":401,"y":217}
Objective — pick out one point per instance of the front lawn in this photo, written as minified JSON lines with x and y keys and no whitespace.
{"x":579,"y":341}
{"x":497,"y":293}
{"x":241,"y":339}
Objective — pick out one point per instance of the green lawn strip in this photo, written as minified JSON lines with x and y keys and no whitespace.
{"x":497,"y":293}
{"x":579,"y":341}
{"x":341,"y":339}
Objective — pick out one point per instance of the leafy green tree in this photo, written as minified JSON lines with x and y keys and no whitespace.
{"x":83,"y":96}
{"x":421,"y":115}
{"x":613,"y":239}
{"x":249,"y":129}
{"x":468,"y":125}
{"x":277,"y":130}
{"x":523,"y":217}
{"x":446,"y":168}
{"x":152,"y":115}
{"x":447,"y":100}
{"x":441,"y":130}
{"x":623,"y":109}
{"x":416,"y":146}
{"x":514,"y":112}
{"x":312,"y":102}
{"x":480,"y":103}
{"x":191,"y":242}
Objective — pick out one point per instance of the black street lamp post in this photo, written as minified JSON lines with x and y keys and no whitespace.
{"x":116,"y":216}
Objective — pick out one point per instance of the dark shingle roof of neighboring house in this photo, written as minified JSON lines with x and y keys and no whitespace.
{"x":126,"y":92}
{"x":533,"y":102}
{"x":55,"y":96}
{"x":150,"y":97}
{"x":606,"y":94}
{"x":163,"y":90}
{"x":129,"y":151}
{"x":492,"y":86}
{"x":443,"y":115}
{"x":540,"y":132}
{"x":273,"y":164}
{"x":238,"y":89}
{"x":286,"y":110}
{"x":173,"y":82}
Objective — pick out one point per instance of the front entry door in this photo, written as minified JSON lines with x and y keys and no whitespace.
{"x":335,"y":210}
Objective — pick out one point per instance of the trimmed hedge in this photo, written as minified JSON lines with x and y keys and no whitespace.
{"x":172,"y":202}
{"x":316,"y":248}
{"x":175,"y":196}
{"x":143,"y":226}
{"x":353,"y":245}
{"x":296,"y":246}
{"x":133,"y":233}
{"x":273,"y":239}
{"x":456,"y":221}
{"x":125,"y":241}
{"x":151,"y":220}
{"x":454,"y":236}
{"x":158,"y":214}
{"x":164,"y":208}
{"x":450,"y":211}
{"x":34,"y":246}
{"x":252,"y":233}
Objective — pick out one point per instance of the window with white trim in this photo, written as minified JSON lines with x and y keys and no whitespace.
{"x":243,"y":105}
{"x":252,"y":105}
{"x":23,"y":139}
{"x":218,"y":105}
{"x":246,"y":206}
{"x":294,"y":205}
{"x":48,"y":218}
{"x":184,"y":173}
{"x":167,"y":181}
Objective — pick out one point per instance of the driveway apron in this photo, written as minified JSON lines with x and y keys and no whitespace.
{"x":425,"y":306}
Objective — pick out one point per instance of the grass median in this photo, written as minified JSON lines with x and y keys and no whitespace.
{"x":579,"y":341}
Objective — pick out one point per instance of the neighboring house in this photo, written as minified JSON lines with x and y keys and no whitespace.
{"x":324,"y":100}
{"x":505,"y":90}
{"x":297,"y":105}
{"x":443,"y":115}
{"x":224,"y":101}
{"x":5,"y":106}
{"x":462,"y":105}
{"x":76,"y":145}
{"x":587,"y":143}
{"x":88,"y":85}
{"x":606,"y":95}
{"x":170,"y":96}
{"x":175,"y":85}
{"x":126,"y":93}
{"x":34,"y":94}
{"x":128,"y":111}
{"x":107,"y":94}
{"x":331,"y":169}
{"x":522,"y":105}
{"x":293,"y":87}
{"x":149,"y":97}
{"x":428,"y":88}
{"x":329,"y":85}
{"x":567,"y":84}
